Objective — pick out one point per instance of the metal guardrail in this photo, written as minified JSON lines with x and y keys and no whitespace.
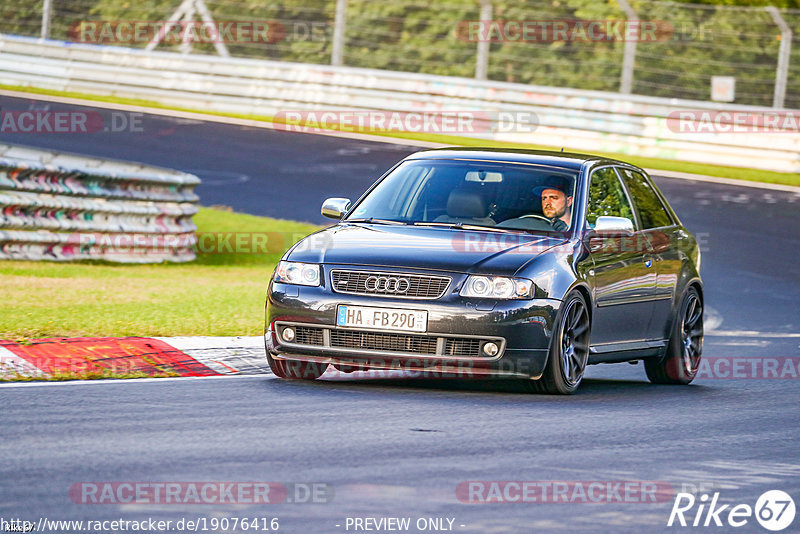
{"x":579,"y":120}
{"x":56,"y":206}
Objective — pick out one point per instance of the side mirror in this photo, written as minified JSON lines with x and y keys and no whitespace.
{"x":606,"y":226}
{"x":335,"y":208}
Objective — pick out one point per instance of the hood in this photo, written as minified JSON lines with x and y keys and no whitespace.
{"x":423,"y":247}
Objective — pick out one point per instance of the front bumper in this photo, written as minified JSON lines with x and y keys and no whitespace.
{"x":457,"y":328}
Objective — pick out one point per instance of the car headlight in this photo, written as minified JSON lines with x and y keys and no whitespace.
{"x":496,"y":287}
{"x":303,"y":274}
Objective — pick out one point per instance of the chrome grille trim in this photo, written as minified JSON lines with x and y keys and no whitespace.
{"x":420,"y":286}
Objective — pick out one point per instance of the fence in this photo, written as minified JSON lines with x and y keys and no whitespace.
{"x":579,"y":120}
{"x":693,"y":42}
{"x":59,"y":206}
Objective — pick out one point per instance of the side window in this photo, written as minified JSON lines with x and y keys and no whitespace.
{"x":606,"y":197}
{"x":651,"y":211}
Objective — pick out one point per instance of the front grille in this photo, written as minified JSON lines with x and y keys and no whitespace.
{"x":402,"y":285}
{"x":462,"y":347}
{"x":346,"y":339}
{"x":309,"y":335}
{"x":386,"y":342}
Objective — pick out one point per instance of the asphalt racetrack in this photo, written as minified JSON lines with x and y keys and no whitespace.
{"x":387,"y":447}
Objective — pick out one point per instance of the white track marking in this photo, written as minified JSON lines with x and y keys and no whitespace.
{"x":226,"y":355}
{"x":711,"y":318}
{"x":751,"y":333}
{"x":108,"y":381}
{"x":11,"y":364}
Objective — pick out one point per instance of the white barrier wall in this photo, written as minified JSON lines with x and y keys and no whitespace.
{"x":588,"y":121}
{"x":56,"y":206}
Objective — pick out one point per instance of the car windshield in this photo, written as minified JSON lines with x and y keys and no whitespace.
{"x":472,"y":193}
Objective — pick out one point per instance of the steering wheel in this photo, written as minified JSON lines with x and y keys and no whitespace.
{"x":545,"y":219}
{"x":557,"y":224}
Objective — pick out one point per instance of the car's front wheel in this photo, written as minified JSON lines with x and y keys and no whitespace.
{"x":294,"y":369}
{"x":569,"y":348}
{"x":679,"y":364}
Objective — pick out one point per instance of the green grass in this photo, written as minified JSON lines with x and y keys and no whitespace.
{"x":650,"y":163}
{"x":216,"y":295}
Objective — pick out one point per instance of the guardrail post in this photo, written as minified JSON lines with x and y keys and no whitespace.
{"x":339,"y":26}
{"x":784,"y":53}
{"x":186,"y":12}
{"x":208,"y":20}
{"x":629,"y":54}
{"x":482,"y":58}
{"x":47,"y":12}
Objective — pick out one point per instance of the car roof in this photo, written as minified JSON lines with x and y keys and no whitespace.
{"x":567,"y":160}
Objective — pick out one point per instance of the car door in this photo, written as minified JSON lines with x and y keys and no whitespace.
{"x":622,"y":276}
{"x":662,"y":233}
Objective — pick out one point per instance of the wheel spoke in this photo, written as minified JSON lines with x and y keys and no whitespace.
{"x":580,"y":347}
{"x":574,"y":341}
{"x":577,"y":317}
{"x":573,"y":369}
{"x":580,"y":330}
{"x":693,"y":314}
{"x":690,"y":310}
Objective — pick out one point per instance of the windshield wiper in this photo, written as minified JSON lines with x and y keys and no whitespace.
{"x":462,"y":226}
{"x":373,"y":220}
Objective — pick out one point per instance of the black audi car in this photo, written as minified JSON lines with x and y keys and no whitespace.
{"x":485,"y":262}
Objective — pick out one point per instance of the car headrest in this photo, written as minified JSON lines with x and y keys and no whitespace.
{"x":463,"y":203}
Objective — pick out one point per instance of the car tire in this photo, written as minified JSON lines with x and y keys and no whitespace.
{"x":682,"y":358}
{"x":295,"y":369}
{"x":569,"y":349}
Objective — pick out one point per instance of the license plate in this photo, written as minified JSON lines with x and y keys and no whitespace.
{"x":382,"y":318}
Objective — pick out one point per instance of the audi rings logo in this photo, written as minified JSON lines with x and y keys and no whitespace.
{"x":387,"y":284}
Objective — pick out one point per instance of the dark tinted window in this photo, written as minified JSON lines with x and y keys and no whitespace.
{"x":481,"y":193}
{"x":606,"y":197}
{"x":652,"y":213}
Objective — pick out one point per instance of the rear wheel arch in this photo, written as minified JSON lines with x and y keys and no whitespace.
{"x":678,"y":299}
{"x":699,"y":287}
{"x":681,"y":359}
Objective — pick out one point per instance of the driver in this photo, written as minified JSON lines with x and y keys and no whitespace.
{"x":556,"y":205}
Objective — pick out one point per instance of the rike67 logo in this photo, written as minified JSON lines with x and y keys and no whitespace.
{"x":774,"y":510}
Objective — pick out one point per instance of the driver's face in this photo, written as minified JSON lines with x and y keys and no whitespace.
{"x":555,"y":203}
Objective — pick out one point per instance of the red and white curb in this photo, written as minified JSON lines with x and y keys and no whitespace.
{"x":181,"y":356}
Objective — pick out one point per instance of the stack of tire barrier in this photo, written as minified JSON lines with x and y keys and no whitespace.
{"x":57,"y":206}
